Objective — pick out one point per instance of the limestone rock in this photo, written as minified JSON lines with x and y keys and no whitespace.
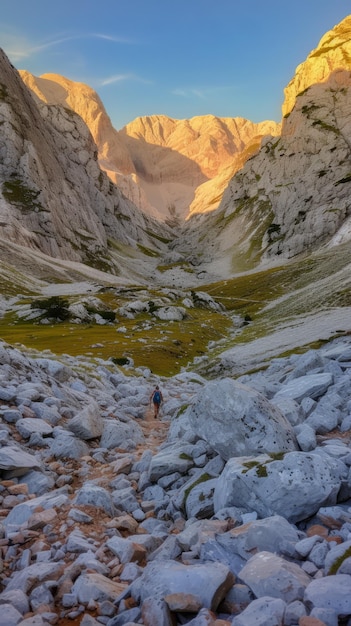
{"x":332,"y":53}
{"x":26,"y":427}
{"x":279,"y":204}
{"x":294,"y":487}
{"x":17,"y":462}
{"x":49,"y":164}
{"x":188,"y":153}
{"x":94,"y":586}
{"x":88,"y":423}
{"x":66,"y":446}
{"x":209,"y":581}
{"x":55,"y":89}
{"x":236,"y":420}
{"x":265,"y":611}
{"x":312,"y":386}
{"x":267,"y":573}
{"x":330,"y":592}
{"x":117,"y":434}
{"x":95,"y":496}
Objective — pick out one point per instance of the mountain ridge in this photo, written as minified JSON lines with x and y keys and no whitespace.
{"x":333,"y":52}
{"x":159,"y":162}
{"x":54,"y":197}
{"x":291,"y":197}
{"x":288,"y":201}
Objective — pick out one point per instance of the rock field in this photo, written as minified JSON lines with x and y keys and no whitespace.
{"x":233,"y":509}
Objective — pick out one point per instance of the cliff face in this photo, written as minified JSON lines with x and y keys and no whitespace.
{"x":280,"y":192}
{"x":210,"y":143}
{"x":293,"y":196}
{"x":332,"y":53}
{"x":56,"y":89}
{"x":54,"y":197}
{"x":158,"y":162}
{"x":177,"y":157}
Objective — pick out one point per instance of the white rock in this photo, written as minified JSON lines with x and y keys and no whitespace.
{"x":312,"y":386}
{"x":236,"y":420}
{"x":331,"y":592}
{"x":294,"y":487}
{"x":265,"y":611}
{"x":208,"y":581}
{"x":267,"y":573}
{"x":88,"y":423}
{"x":16,"y":462}
{"x":26,"y":427}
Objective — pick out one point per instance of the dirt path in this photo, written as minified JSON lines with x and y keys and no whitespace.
{"x":154,"y":430}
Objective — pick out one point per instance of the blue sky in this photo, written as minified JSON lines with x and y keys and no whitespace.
{"x":230,"y":58}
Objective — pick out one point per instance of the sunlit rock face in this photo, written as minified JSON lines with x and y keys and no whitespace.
{"x":263,"y":191}
{"x":56,"y":89}
{"x":176,"y":159}
{"x":293,"y":195}
{"x":173,"y":169}
{"x":158,"y":162}
{"x":54,"y":197}
{"x":332,"y":53}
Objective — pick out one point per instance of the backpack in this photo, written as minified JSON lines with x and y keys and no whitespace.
{"x":157,"y":397}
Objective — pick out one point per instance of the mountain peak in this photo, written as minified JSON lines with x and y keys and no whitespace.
{"x":332,"y":53}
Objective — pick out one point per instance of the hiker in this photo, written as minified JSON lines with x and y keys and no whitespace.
{"x":156,"y":397}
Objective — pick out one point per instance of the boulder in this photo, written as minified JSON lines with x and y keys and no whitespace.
{"x":265,"y":611}
{"x":95,"y":586}
{"x":330,"y":592}
{"x":16,"y":462}
{"x":295,"y":486}
{"x":96,"y":496}
{"x":272,"y":534}
{"x":31,"y":576}
{"x":9,"y":616}
{"x":207,"y":581}
{"x":26,"y":427}
{"x":23,"y":511}
{"x":199,"y":500}
{"x":117,"y":434}
{"x":236,"y":420}
{"x":66,"y":446}
{"x":174,"y":458}
{"x":54,"y":368}
{"x":310,"y":386}
{"x":170,"y":313}
{"x":266,"y":573}
{"x":88,"y":423}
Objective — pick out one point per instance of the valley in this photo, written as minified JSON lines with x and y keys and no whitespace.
{"x":196,"y":328}
{"x":208,"y":256}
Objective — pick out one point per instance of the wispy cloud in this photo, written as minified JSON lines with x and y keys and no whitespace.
{"x":189,"y":93}
{"x":114,"y":39}
{"x":118,"y":78}
{"x":18,"y":47}
{"x":201,"y":93}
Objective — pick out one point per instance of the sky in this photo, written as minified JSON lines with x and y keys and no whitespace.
{"x":229,"y":58}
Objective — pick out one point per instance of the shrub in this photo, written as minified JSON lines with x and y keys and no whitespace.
{"x":122,"y":360}
{"x":54,"y":307}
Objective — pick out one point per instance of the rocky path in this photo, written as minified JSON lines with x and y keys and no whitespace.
{"x":155,"y":431}
{"x":110,"y":517}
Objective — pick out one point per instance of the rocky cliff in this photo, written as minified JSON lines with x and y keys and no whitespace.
{"x":113,"y":156}
{"x":288,"y":196}
{"x":177,"y":157}
{"x":54,"y":197}
{"x":294,"y":195}
{"x":158,"y":162}
{"x":332,"y":53}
